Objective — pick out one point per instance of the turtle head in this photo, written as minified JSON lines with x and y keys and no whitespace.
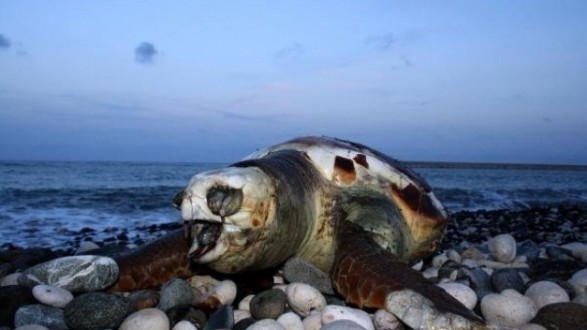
{"x":226,"y":214}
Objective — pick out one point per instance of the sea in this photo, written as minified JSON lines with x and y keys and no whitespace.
{"x":44,"y":204}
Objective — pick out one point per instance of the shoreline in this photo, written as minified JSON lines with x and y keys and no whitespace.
{"x":558,"y":224}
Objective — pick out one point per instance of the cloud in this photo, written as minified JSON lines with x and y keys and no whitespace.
{"x":145,"y":53}
{"x":292,"y":51}
{"x":4,"y":42}
{"x":381,"y":42}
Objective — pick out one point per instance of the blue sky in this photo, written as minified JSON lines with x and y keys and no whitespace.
{"x":492,"y":81}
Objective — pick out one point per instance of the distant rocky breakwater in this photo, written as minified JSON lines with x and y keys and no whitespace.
{"x":524,"y":269}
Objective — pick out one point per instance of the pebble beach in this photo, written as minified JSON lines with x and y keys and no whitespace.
{"x":524,"y":269}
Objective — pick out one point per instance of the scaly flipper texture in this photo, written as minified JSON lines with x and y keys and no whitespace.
{"x":364,"y":273}
{"x":154,"y":263}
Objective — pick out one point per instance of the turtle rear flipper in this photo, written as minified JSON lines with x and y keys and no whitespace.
{"x":365,"y":274}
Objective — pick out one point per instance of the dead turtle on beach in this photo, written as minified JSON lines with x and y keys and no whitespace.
{"x":352,"y":211}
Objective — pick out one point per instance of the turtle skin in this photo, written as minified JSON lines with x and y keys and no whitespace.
{"x":386,"y":211}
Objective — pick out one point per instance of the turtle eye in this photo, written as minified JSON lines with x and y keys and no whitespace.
{"x":224,"y":201}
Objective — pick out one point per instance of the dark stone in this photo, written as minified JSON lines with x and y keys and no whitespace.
{"x":269,"y":304}
{"x":507,"y":278}
{"x":300,"y":270}
{"x":447,"y":268}
{"x":21,"y":259}
{"x":223,"y":318}
{"x":13,"y":297}
{"x":175,"y":292}
{"x":529,"y":249}
{"x":142,"y":299}
{"x":559,"y":316}
{"x":50,"y":317}
{"x":559,"y":253}
{"x":97,"y":310}
{"x":244,"y":324}
{"x":559,"y":269}
{"x":188,"y":313}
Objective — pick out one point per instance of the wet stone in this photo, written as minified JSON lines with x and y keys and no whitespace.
{"x":269,"y":304}
{"x":12,"y":298}
{"x":507,"y":278}
{"x":568,"y":316}
{"x":77,"y":273}
{"x":96,"y":310}
{"x":243,"y":324}
{"x":223,"y":318}
{"x":50,"y":317}
{"x":559,"y":253}
{"x":175,"y":292}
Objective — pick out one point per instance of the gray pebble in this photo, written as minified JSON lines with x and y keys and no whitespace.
{"x":50,"y":317}
{"x":96,"y":310}
{"x":559,"y":253}
{"x":175,"y":292}
{"x":300,"y":270}
{"x":269,"y":304}
{"x":77,"y":273}
{"x":222,"y":318}
{"x":342,"y":325}
{"x":507,"y":278}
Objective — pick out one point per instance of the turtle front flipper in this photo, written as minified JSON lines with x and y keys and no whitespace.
{"x":154,"y":263}
{"x":365,"y":274}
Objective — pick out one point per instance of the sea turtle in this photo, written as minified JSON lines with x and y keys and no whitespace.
{"x":348,"y":209}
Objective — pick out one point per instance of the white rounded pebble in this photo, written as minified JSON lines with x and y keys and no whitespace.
{"x":430,"y":272}
{"x":146,"y":319}
{"x":439,"y":260}
{"x":384,"y":320}
{"x":461,"y":292}
{"x":224,"y":292}
{"x":291,"y":321}
{"x":303,"y":298}
{"x":579,"y":281}
{"x":503,"y":248}
{"x":245,"y":303}
{"x":581,"y":299}
{"x":241,"y":314}
{"x":313,"y":321}
{"x":184,"y":325}
{"x":266,"y":324}
{"x":86,"y":246}
{"x":335,"y":313}
{"x":545,"y":292}
{"x":10,"y":279}
{"x":532,"y":326}
{"x":52,"y":295}
{"x":508,"y":308}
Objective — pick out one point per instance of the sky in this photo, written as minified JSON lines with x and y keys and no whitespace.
{"x":212,"y":81}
